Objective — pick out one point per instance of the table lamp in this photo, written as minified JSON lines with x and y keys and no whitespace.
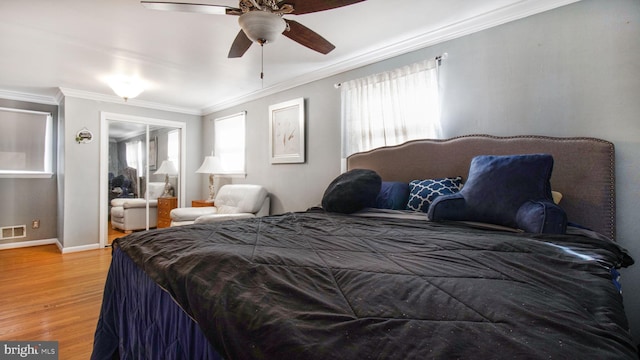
{"x":166,"y":168}
{"x":210,"y":165}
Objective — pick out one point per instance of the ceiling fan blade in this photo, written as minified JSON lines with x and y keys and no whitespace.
{"x":240,"y":45}
{"x":310,"y":6}
{"x":307,"y":37}
{"x":190,"y":7}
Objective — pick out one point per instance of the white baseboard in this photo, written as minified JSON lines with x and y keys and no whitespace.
{"x":66,"y":250}
{"x":21,"y":244}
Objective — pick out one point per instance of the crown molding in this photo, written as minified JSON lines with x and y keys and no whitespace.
{"x":59,"y":96}
{"x":20,"y":96}
{"x":63,"y":92}
{"x":500,"y":16}
{"x":118,"y":100}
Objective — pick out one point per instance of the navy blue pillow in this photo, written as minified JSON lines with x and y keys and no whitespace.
{"x":352,"y":191}
{"x":423,"y":192}
{"x":511,"y":191}
{"x":393,"y":195}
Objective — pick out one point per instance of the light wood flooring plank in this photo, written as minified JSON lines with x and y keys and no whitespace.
{"x":49,"y":296}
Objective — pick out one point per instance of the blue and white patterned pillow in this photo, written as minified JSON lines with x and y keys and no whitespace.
{"x":423,"y":192}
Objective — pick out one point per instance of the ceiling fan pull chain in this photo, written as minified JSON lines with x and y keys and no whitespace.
{"x":262,"y":64}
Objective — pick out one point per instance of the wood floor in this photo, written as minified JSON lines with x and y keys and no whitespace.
{"x":49,"y":296}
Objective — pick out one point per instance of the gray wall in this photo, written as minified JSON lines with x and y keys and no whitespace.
{"x":573,"y":71}
{"x":293,"y":187}
{"x":25,"y":200}
{"x":78,"y":171}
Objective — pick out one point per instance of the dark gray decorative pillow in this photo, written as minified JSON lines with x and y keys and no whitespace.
{"x":512,"y":191}
{"x":423,"y":192}
{"x":352,"y":191}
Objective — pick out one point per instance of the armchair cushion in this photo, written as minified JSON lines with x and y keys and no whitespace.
{"x":133,"y":203}
{"x":233,"y":201}
{"x":512,"y":191}
{"x":130,"y":213}
{"x":191,"y":213}
{"x":240,"y":198}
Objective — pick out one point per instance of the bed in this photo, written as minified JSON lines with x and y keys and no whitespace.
{"x":380,"y":283}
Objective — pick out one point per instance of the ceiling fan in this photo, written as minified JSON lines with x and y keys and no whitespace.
{"x":262,"y":22}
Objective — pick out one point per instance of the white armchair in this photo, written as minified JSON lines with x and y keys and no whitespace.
{"x":233,"y":201}
{"x":129,"y":214}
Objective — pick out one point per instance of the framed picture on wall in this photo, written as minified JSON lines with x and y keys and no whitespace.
{"x":286,"y":132}
{"x":153,"y":153}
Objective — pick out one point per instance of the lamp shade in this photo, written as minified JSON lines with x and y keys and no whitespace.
{"x":210,"y":165}
{"x":166,"y":168}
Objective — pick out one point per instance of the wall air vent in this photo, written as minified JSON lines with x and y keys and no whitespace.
{"x":13,"y":232}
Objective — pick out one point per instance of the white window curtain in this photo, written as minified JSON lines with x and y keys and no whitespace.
{"x":135,"y":156}
{"x":135,"y":159}
{"x":173,"y":147}
{"x":230,"y":144}
{"x":390,"y":108}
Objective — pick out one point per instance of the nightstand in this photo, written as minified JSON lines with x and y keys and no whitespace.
{"x":165,"y":205}
{"x":201,"y":203}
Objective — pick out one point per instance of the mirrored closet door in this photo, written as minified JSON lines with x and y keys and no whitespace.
{"x":142,"y":174}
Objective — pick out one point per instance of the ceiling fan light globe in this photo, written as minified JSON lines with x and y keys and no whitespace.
{"x":262,"y":26}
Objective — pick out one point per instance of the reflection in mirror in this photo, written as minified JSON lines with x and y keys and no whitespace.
{"x":136,"y":178}
{"x":127,"y":155}
{"x":167,"y":159}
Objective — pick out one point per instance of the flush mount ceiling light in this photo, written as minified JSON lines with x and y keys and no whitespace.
{"x":126,"y":87}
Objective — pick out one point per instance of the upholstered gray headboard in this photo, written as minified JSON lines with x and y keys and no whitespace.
{"x":584,"y":168}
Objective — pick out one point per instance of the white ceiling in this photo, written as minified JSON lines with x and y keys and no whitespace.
{"x":73,"y":46}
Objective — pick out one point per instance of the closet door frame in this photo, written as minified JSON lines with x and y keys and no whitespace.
{"x":105,"y":118}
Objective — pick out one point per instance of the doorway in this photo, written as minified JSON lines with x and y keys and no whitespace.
{"x":135,"y":153}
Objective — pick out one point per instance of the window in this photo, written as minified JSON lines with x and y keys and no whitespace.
{"x":230,"y":144}
{"x":390,"y":108}
{"x":25,"y":143}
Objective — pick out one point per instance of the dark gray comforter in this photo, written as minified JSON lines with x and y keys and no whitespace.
{"x":314,"y":285}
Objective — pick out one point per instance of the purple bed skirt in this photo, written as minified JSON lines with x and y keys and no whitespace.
{"x":139,"y":320}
